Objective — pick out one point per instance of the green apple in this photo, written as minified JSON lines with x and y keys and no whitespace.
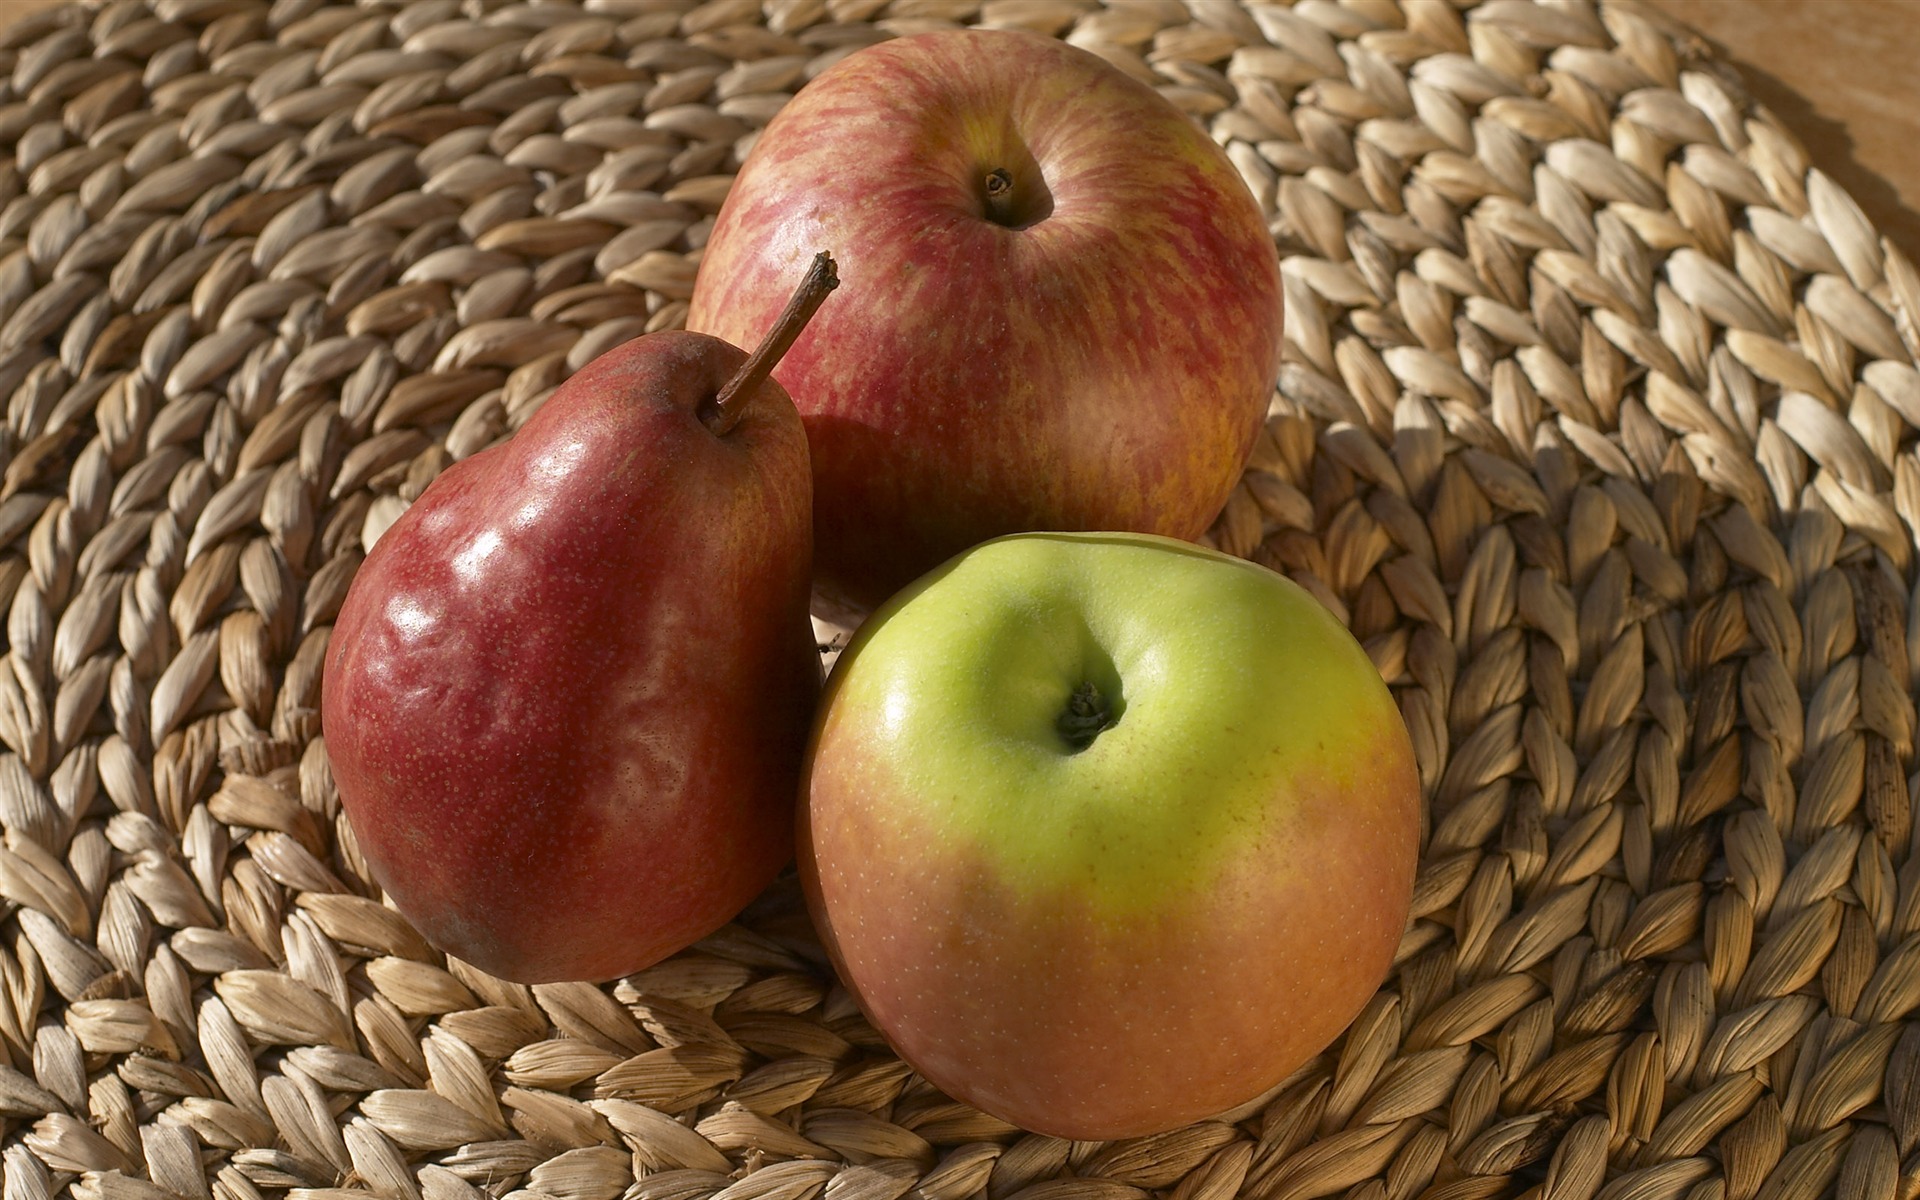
{"x":1108,"y":833}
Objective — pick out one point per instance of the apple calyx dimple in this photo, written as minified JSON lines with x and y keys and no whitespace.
{"x":723,"y":412}
{"x":1015,"y":198}
{"x":999,"y":187}
{"x":1086,"y":716}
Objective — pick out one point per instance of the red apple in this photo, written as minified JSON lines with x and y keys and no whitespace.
{"x":1063,"y":308}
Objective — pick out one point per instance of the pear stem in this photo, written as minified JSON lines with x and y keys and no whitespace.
{"x":725,"y":410}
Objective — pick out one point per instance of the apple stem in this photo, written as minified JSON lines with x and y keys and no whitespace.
{"x":999,"y":189}
{"x":725,"y":410}
{"x":1087,"y":715}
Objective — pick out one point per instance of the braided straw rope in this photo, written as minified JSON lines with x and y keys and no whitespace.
{"x":1597,"y":425}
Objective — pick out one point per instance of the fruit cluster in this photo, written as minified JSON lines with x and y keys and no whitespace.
{"x":1106,"y":832}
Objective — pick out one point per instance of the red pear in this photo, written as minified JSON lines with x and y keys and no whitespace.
{"x":567,"y":695}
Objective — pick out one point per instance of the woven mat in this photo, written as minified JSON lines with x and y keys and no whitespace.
{"x":1597,"y":426}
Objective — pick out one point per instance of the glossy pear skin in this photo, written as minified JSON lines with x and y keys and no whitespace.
{"x":1103,"y":363}
{"x":567,"y":695}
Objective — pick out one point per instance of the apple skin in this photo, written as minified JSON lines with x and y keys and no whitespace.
{"x":1150,"y":931}
{"x":566,"y":697}
{"x":1106,"y":366}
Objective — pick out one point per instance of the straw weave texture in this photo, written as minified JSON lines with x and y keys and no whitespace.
{"x":1597,"y":425}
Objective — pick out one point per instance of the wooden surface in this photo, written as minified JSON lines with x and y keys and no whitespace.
{"x":1839,"y":73}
